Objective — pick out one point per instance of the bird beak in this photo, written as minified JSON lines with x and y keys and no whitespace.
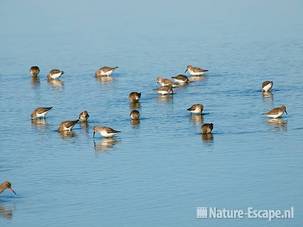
{"x":12,"y":190}
{"x":94,"y":134}
{"x":186,"y":70}
{"x":286,"y":112}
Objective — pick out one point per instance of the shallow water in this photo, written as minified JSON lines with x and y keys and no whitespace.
{"x":157,"y":172}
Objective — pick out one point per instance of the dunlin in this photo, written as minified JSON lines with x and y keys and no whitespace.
{"x":105,"y":71}
{"x":134,"y":96}
{"x":196,"y":109}
{"x":165,"y":90}
{"x":267,"y":86}
{"x":83,"y":116}
{"x":54,"y":74}
{"x":207,"y":128}
{"x":105,"y":131}
{"x":67,"y":126}
{"x":134,"y":115}
{"x":277,"y":112}
{"x":40,"y":112}
{"x":181,"y":79}
{"x":34,"y":71}
{"x":164,"y":82}
{"x":6,"y":185}
{"x":195,"y":71}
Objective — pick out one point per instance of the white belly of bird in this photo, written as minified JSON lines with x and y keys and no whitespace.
{"x":267,"y":87}
{"x":164,"y":83}
{"x":55,"y":75}
{"x":179,"y":81}
{"x":107,"y":73}
{"x":68,"y":129}
{"x":41,"y":114}
{"x":197,"y":110}
{"x":275,"y":115}
{"x":195,"y":73}
{"x":106,"y":134}
{"x":163,"y":92}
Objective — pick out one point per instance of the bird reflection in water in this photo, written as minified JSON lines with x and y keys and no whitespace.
{"x":135,"y":123}
{"x":105,"y":144}
{"x":165,"y":98}
{"x":67,"y":134}
{"x":84,"y":128}
{"x":57,"y":84}
{"x":35,"y":81}
{"x":5,"y":212}
{"x":207,"y":138}
{"x":104,"y":79}
{"x":267,"y":96}
{"x":278,"y":124}
{"x":196,"y":78}
{"x":197,"y":119}
{"x":39,"y":122}
{"x":134,"y":105}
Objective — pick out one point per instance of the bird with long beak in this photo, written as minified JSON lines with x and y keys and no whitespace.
{"x":106,"y":132}
{"x":54,"y":74}
{"x":83,"y":116}
{"x":207,"y":128}
{"x":195,"y":71}
{"x":105,"y":71}
{"x":134,"y":96}
{"x":6,"y":185}
{"x":276,"y":112}
{"x":40,"y":112}
{"x":67,"y":126}
{"x":196,"y":109}
{"x":34,"y":71}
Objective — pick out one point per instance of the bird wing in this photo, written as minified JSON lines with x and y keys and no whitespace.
{"x":41,"y":110}
{"x":273,"y":111}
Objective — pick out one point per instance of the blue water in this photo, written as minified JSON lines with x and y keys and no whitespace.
{"x":155,"y":173}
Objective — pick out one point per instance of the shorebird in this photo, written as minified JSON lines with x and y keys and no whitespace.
{"x":165,"y":90}
{"x":207,"y":128}
{"x":34,"y":71}
{"x":134,"y":96}
{"x":105,"y":131}
{"x":134,"y":115}
{"x":267,"y":86}
{"x":181,"y":79}
{"x":195,"y":71}
{"x":54,"y":74}
{"x":105,"y":71}
{"x":40,"y":112}
{"x":83,"y":116}
{"x":277,"y":112}
{"x":196,"y":109}
{"x":67,"y":126}
{"x":164,"y":82}
{"x":6,"y":185}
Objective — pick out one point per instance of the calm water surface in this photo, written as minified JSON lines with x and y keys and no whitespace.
{"x":155,"y":173}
